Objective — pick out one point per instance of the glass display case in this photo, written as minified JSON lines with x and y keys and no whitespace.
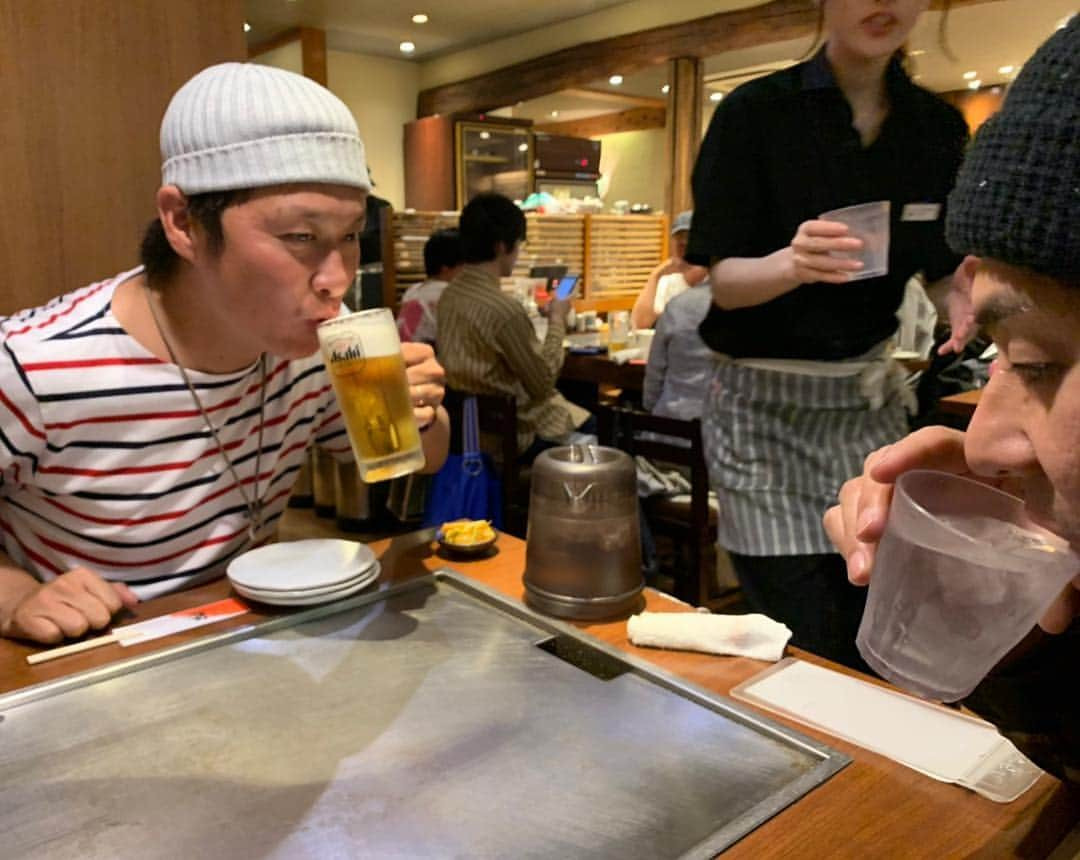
{"x":493,"y":157}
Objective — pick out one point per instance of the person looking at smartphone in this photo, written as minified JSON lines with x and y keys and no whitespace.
{"x":486,"y":340}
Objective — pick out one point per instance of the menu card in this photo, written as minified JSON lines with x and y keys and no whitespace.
{"x":942,"y":743}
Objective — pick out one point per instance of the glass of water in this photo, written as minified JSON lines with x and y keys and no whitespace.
{"x":961,"y":576}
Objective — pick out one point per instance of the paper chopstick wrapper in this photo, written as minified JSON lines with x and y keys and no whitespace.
{"x":153,"y":628}
{"x":166,"y":625}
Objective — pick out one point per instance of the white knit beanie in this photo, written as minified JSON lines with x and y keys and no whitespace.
{"x":242,"y":125}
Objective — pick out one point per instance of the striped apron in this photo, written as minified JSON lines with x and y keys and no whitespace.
{"x":780,"y":444}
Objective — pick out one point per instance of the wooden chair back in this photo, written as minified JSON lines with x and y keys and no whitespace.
{"x":692,"y":528}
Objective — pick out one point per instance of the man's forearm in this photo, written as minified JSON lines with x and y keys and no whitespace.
{"x":642,"y":315}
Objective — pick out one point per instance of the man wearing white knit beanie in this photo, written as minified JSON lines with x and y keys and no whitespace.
{"x":151,"y":425}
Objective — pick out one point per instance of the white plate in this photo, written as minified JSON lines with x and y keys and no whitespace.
{"x":277,"y":598}
{"x":301,"y":565}
{"x":366,"y":576}
{"x":308,"y":592}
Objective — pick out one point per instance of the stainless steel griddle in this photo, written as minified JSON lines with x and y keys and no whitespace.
{"x":430,"y":719}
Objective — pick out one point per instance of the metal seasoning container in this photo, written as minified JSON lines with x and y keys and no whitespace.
{"x":583,"y":548}
{"x":352,"y":499}
{"x":324,"y":474}
{"x":303,"y":491}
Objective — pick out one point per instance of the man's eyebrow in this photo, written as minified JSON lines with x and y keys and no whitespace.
{"x":1000,"y":308}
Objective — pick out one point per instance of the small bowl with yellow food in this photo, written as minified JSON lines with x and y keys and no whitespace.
{"x":467,"y":538}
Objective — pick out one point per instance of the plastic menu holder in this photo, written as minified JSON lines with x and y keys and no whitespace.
{"x":940,"y":742}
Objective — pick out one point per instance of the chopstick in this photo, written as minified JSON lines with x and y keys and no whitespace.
{"x":74,"y":648}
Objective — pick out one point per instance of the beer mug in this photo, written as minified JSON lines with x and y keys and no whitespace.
{"x":363,"y":356}
{"x":618,"y":330}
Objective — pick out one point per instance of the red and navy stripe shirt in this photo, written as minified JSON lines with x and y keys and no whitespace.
{"x":106,"y":463}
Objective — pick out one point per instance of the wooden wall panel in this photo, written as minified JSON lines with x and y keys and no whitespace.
{"x":429,"y":164}
{"x":83,"y":86}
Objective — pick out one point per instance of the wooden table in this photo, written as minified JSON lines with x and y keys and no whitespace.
{"x":962,"y":404}
{"x":872,"y":808}
{"x":600,"y":370}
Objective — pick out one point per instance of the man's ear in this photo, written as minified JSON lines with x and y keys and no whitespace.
{"x":176,"y":220}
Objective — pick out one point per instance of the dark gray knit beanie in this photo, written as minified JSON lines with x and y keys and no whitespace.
{"x":1017,"y":196}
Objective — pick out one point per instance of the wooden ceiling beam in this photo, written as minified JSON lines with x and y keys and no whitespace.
{"x":580,"y":65}
{"x":634,"y":119}
{"x":615,"y":98}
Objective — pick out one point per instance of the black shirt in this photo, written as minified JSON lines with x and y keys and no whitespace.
{"x":782,"y":149}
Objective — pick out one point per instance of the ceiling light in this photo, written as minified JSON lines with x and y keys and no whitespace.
{"x":485,"y":135}
{"x":1006,"y":70}
{"x":419,"y":18}
{"x":970,"y":76}
{"x":615,"y":80}
{"x":247,"y":27}
{"x":523,"y":147}
{"x":665,"y":89}
{"x":918,"y":52}
{"x":996,"y":90}
{"x":715,"y":97}
{"x":554,"y":113}
{"x":975,"y":84}
{"x":407,"y":47}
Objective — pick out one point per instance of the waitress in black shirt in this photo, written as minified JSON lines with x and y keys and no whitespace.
{"x":805,"y":388}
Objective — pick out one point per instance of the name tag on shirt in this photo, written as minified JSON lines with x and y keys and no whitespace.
{"x":920,"y":212}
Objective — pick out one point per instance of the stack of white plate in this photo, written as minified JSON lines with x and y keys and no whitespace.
{"x":303,"y":572}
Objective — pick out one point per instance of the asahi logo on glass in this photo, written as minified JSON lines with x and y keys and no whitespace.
{"x":344,"y":349}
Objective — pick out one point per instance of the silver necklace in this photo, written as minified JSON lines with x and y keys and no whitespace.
{"x":253,"y":503}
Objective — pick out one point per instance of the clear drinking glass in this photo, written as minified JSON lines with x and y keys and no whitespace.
{"x":961,"y":576}
{"x":618,"y":330}
{"x":869,"y":222}
{"x":363,"y":356}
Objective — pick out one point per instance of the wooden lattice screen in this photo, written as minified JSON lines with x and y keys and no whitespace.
{"x":613,"y":253}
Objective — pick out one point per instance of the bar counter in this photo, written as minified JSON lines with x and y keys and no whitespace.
{"x":873,"y":808}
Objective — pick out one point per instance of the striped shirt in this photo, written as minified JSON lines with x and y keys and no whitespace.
{"x":487,"y":345}
{"x":106,"y":463}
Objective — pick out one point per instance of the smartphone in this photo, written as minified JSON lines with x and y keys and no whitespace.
{"x":566,"y":287}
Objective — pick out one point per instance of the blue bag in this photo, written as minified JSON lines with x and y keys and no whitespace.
{"x":466,"y":487}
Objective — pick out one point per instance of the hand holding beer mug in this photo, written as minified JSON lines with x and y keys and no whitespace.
{"x":363,"y":356}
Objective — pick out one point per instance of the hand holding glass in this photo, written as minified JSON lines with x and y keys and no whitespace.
{"x":870,"y":223}
{"x":961,"y":576}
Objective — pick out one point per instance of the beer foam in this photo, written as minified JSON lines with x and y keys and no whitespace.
{"x":379,"y":337}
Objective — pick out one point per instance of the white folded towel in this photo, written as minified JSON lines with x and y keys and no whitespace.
{"x":756,"y":636}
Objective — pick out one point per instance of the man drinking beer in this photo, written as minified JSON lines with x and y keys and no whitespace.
{"x":151,"y":425}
